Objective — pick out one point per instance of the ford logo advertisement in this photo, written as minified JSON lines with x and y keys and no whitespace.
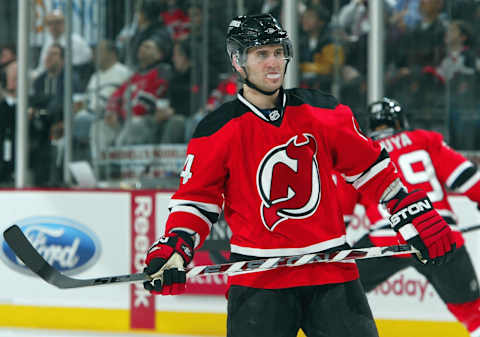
{"x":67,"y":245}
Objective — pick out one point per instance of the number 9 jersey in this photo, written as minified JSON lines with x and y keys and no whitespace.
{"x":426,"y":162}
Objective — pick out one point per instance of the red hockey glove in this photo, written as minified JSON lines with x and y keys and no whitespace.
{"x":418,"y":223}
{"x":166,"y":261}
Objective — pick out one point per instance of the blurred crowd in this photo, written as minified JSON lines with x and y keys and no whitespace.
{"x":162,"y":72}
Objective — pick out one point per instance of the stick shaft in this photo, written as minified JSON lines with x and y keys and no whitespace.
{"x":19,"y":243}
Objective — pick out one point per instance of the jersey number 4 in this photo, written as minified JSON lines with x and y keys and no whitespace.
{"x":425,"y":175}
{"x":186,"y":174}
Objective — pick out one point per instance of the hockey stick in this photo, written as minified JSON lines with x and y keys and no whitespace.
{"x":19,"y":243}
{"x":469,"y":228}
{"x":461,"y":229}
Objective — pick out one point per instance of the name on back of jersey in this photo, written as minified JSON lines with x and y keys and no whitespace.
{"x":395,"y":142}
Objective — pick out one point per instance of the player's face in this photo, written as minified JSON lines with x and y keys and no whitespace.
{"x":266,"y":66}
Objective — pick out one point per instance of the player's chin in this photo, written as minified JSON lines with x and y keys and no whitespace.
{"x":273,"y":86}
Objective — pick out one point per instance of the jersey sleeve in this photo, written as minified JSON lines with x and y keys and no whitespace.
{"x":360,"y":160}
{"x":457,"y":173}
{"x":347,"y":196}
{"x":198,"y":201}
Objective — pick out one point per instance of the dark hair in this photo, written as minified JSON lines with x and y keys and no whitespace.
{"x":321,"y":12}
{"x":151,"y":9}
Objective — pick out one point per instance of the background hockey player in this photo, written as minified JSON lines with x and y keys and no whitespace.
{"x":423,"y":161}
{"x":267,"y":159}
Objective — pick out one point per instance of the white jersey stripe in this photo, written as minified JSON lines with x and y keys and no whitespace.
{"x":213,"y":208}
{"x":351,"y":179}
{"x":261,"y":252}
{"x":194,"y":211}
{"x":372,"y":172}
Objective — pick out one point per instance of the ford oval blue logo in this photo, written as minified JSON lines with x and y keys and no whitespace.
{"x":67,"y":245}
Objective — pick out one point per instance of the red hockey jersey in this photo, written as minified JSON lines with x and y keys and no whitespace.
{"x":271,"y":174}
{"x":425,"y":162}
{"x":141,"y":91}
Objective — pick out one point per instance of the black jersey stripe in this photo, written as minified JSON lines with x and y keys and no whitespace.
{"x":463,"y":177}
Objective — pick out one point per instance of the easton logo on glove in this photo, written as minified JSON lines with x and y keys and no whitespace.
{"x":413,"y":209}
{"x":418,"y":223}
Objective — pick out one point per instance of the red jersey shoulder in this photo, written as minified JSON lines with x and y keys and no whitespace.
{"x":429,"y":138}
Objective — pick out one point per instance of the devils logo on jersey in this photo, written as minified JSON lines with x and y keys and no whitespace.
{"x":288,"y":181}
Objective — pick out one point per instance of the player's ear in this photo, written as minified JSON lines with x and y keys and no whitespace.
{"x":237,"y":66}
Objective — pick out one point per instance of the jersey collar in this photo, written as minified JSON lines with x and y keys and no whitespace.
{"x":275,"y":117}
{"x":380,"y":134}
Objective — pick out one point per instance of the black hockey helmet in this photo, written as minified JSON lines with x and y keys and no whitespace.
{"x":386,"y":111}
{"x":249,"y":31}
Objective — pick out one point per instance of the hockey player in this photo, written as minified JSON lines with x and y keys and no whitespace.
{"x":267,"y":158}
{"x":423,"y":161}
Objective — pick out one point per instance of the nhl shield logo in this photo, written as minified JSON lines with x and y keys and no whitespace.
{"x":288,"y":181}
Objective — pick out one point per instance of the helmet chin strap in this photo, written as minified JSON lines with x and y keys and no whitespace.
{"x":253,"y":86}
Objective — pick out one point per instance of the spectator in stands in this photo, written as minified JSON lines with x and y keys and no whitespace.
{"x":459,"y":69}
{"x":136,"y":99}
{"x":215,"y":48}
{"x":225,"y":91}
{"x":405,"y":15}
{"x":460,"y":57}
{"x":8,"y":70}
{"x":423,"y":46}
{"x":150,"y":26}
{"x":353,"y":18}
{"x":175,"y":19}
{"x":412,"y":58}
{"x":109,"y":76}
{"x":184,"y":90}
{"x":8,"y":92}
{"x":185,"y":94}
{"x":46,"y":119}
{"x":318,"y":53}
{"x":168,"y":126}
{"x":81,"y":51}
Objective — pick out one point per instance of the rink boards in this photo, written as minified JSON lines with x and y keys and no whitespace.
{"x":101,"y":233}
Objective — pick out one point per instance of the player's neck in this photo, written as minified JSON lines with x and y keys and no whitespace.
{"x":258,"y":99}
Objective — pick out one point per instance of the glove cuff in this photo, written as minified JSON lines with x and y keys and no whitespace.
{"x":184,"y":246}
{"x":407,"y":231}
{"x":185,"y":236}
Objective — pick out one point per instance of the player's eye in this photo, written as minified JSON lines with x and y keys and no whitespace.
{"x":262,"y":54}
{"x":279,"y":53}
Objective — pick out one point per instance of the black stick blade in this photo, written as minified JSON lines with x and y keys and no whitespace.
{"x":36,"y":263}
